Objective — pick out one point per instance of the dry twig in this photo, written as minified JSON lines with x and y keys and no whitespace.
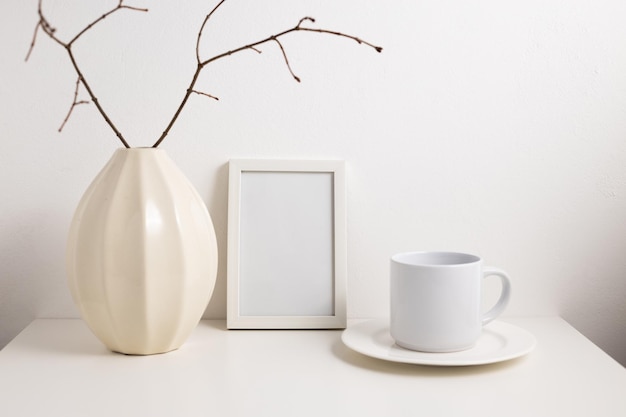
{"x":75,"y":103}
{"x":44,"y":25}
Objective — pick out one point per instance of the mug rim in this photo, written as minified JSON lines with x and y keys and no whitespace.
{"x":435,"y":258}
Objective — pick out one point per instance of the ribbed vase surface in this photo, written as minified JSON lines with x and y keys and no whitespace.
{"x":141,"y":254}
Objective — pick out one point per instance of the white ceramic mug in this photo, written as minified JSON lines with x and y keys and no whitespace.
{"x":436,"y":300}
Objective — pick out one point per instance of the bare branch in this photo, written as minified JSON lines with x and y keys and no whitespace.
{"x":47,"y":27}
{"x":95,"y":99}
{"x":120,"y":6}
{"x":32,"y":43}
{"x":297,"y":28}
{"x":50,"y":31}
{"x":205,"y":94}
{"x":252,"y":46}
{"x":75,"y":103}
{"x":137,"y":9}
{"x":280,"y":45}
{"x":305,"y":19}
{"x":332,"y":32}
{"x":206,"y":19}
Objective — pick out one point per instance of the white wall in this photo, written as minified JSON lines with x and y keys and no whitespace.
{"x":492,"y":127}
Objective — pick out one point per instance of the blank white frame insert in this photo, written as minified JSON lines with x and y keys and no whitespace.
{"x":286,"y":244}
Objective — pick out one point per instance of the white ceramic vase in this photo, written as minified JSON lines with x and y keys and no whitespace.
{"x":141,"y":254}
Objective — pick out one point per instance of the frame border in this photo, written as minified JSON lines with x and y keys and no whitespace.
{"x":336,"y":321}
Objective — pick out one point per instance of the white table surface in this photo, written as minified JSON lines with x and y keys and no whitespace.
{"x":58,"y":368}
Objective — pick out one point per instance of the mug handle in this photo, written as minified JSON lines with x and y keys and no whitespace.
{"x":505,"y":294}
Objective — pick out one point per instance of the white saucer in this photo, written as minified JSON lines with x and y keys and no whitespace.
{"x":499,"y":342}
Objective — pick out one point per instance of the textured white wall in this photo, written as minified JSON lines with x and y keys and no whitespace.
{"x":491,"y":127}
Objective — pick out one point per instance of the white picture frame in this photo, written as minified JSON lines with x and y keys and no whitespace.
{"x":287,"y":264}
